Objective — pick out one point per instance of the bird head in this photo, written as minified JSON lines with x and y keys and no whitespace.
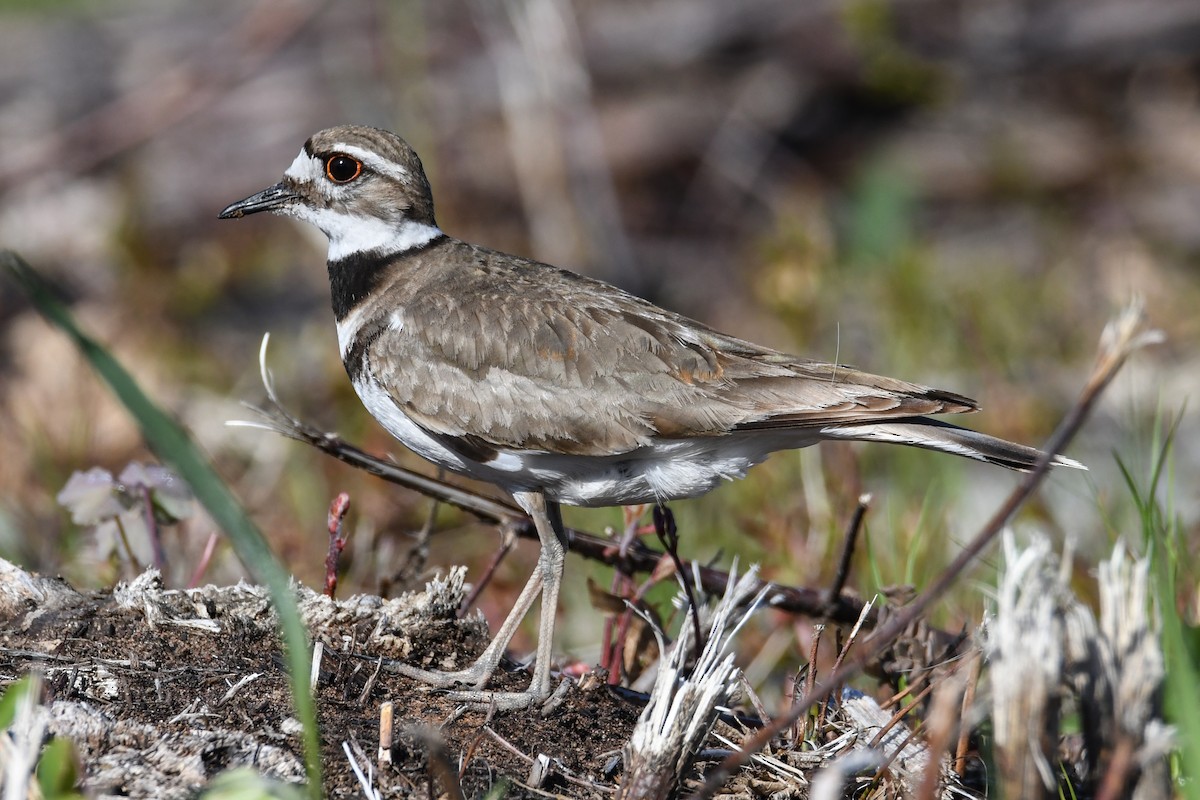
{"x":363,"y":187}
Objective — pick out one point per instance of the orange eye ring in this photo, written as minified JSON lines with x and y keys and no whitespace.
{"x":341,"y":168}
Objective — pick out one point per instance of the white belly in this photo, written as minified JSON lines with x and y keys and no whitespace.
{"x":384,"y":409}
{"x":664,"y":470}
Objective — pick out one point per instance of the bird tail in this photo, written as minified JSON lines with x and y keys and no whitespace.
{"x":933,"y":434}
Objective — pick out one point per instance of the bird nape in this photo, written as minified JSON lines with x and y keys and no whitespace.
{"x":556,"y":387}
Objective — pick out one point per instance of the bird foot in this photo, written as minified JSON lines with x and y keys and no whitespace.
{"x":515,"y":701}
{"x":475,"y":676}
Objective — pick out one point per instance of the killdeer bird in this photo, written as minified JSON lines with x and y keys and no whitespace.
{"x":556,"y":387}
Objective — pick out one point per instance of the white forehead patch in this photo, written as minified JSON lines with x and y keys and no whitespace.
{"x":305,"y":169}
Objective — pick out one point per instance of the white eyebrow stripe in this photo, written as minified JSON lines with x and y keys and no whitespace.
{"x":372,"y":160}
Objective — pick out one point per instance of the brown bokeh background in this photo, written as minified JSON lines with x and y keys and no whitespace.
{"x":955,"y":193}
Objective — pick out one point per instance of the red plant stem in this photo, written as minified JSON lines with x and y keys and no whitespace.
{"x":337,"y":540}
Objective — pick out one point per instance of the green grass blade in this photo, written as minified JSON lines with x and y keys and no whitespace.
{"x":1180,"y":640}
{"x":173,"y":445}
{"x":1182,"y":697}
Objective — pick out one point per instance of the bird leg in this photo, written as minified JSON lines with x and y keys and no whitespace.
{"x":546,"y":581}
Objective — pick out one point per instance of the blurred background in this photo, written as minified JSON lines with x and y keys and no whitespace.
{"x":955,"y":193}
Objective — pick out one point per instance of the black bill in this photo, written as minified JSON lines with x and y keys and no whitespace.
{"x":266,"y":200}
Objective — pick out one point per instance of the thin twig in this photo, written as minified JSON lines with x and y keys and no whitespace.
{"x":152,"y":529}
{"x":365,"y":779}
{"x":898,"y":716}
{"x":366,"y":692}
{"x":901,"y":746}
{"x":668,"y":534}
{"x":755,"y":701}
{"x":810,"y":678}
{"x":337,"y":540}
{"x":508,"y":538}
{"x":507,"y":745}
{"x":469,"y":753}
{"x":635,"y":613}
{"x":124,"y":537}
{"x":560,"y":770}
{"x":205,"y":559}
{"x":843,"y":572}
{"x":387,"y":716}
{"x":612,"y":639}
{"x":314,"y":675}
{"x":837,"y":663}
{"x":853,"y":637}
{"x":237,"y":687}
{"x":968,"y":701}
{"x":941,"y":726}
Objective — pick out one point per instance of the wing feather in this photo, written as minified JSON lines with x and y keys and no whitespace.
{"x":561,"y":363}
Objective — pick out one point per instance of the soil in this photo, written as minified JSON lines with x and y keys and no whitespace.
{"x":162,"y":690}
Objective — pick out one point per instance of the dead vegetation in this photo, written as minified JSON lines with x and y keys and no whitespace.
{"x":162,"y":691}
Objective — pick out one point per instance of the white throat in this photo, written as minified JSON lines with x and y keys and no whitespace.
{"x":349,"y":234}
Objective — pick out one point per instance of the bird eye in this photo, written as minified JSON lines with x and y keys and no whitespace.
{"x":341,"y":168}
